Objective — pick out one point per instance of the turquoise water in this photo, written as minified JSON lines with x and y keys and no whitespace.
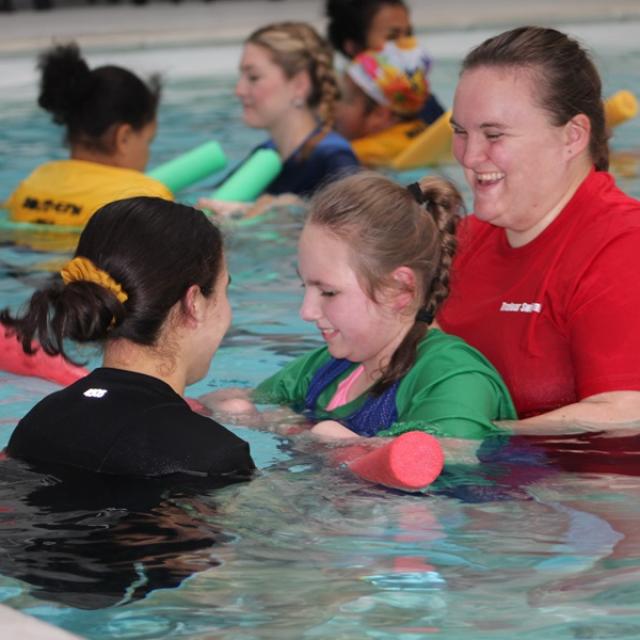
{"x":306,"y":550}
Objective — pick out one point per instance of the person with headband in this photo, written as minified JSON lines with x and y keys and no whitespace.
{"x":149,"y":283}
{"x":288,"y":87}
{"x":109,"y":115}
{"x":355,"y":26}
{"x":545,"y":283}
{"x":374,"y":259}
{"x":383,"y":93}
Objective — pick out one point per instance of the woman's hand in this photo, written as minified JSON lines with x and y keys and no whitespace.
{"x":232,"y":401}
{"x":222,"y":209}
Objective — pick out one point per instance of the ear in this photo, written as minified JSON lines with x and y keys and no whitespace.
{"x":404,"y":291}
{"x":122,"y":136}
{"x":191,"y":306}
{"x":301,"y":84}
{"x":577,"y":134}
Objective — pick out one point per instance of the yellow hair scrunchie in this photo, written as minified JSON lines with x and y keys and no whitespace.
{"x":80,"y":269}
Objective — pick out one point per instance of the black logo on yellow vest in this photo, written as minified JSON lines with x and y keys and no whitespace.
{"x":52,"y":206}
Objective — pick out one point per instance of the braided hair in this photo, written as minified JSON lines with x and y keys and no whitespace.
{"x":297,"y":47}
{"x":388,"y":226}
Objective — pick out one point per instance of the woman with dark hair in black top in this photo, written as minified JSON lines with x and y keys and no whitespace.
{"x":149,"y":282}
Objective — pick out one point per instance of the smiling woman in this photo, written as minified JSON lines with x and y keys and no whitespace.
{"x":545,"y":284}
{"x":288,"y":87}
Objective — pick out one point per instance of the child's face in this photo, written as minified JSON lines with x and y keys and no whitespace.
{"x":354,"y":119}
{"x":389,"y":23}
{"x":353,"y":326}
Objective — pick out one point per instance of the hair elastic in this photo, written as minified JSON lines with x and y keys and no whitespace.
{"x":82,"y":269}
{"x":424,"y":316}
{"x":415,"y":190}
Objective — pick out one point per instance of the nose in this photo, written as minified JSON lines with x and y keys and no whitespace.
{"x":471,"y":150}
{"x":309,"y":309}
{"x":240,"y":87}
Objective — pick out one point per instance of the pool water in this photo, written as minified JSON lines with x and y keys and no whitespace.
{"x":305,"y":550}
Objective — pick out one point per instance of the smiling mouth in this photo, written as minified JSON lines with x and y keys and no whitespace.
{"x":327,"y":334}
{"x":489,"y":178}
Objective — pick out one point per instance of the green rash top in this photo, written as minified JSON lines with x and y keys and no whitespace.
{"x":452,"y":390}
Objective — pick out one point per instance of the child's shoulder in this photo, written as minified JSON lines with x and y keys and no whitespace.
{"x":440,"y":349}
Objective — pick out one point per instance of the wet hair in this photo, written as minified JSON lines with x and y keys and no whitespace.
{"x":565,"y":78}
{"x":89,"y":102}
{"x":352,"y":19}
{"x":388,"y":226}
{"x":153,"y":248}
{"x":296,"y":47}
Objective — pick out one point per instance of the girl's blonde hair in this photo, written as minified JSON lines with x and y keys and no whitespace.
{"x":296,"y":47}
{"x":388,"y":226}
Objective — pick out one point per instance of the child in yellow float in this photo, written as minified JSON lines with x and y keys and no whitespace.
{"x":110,"y":119}
{"x":384,"y":92}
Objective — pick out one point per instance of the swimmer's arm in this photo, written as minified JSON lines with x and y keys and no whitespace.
{"x":236,"y":210}
{"x":612,"y":412}
{"x":235,"y":405}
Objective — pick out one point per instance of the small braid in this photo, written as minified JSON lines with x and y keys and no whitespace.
{"x":443,"y":201}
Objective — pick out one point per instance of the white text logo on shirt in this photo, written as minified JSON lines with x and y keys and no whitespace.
{"x":521,"y":307}
{"x":95,"y":393}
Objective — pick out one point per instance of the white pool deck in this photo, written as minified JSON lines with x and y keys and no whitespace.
{"x":219,"y":21}
{"x":224,"y":23}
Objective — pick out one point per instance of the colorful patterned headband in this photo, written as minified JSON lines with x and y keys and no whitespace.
{"x":82,"y":269}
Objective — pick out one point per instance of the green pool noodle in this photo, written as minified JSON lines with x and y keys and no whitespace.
{"x":249,"y":180}
{"x":190,"y":167}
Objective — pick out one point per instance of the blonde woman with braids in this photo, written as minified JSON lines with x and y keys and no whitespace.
{"x":288,"y":87}
{"x":374,"y":259}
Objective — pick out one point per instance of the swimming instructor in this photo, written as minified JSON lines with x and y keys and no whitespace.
{"x":546,"y":280}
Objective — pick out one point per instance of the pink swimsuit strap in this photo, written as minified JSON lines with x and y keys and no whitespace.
{"x":340,"y":396}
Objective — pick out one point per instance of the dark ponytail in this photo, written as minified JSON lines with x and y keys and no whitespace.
{"x":90,"y":102}
{"x":151,"y":248}
{"x":388,"y":226}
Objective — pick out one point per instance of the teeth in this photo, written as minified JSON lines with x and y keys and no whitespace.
{"x":489,"y":177}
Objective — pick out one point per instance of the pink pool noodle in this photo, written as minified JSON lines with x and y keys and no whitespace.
{"x":411,"y":461}
{"x":53,"y":368}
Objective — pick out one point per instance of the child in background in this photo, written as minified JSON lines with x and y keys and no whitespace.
{"x":374,"y":258}
{"x":110,"y":119}
{"x":358,"y":25}
{"x":288,"y":87}
{"x":383,"y":93}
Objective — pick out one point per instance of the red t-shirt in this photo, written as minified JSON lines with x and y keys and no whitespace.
{"x":560,"y":316}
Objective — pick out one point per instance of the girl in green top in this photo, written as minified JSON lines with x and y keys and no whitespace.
{"x":374,"y":258}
